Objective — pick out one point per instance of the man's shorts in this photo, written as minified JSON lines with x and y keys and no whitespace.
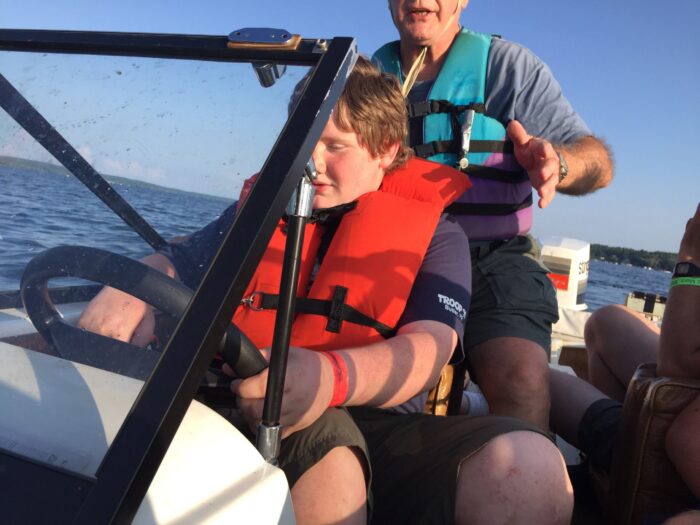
{"x":412,"y":459}
{"x":511,"y":293}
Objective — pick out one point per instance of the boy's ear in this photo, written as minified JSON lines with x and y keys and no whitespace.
{"x":386,"y":157}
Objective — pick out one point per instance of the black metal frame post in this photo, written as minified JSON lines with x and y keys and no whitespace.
{"x":299,"y":211}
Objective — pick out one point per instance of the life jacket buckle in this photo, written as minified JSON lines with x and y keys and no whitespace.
{"x":419,"y":109}
{"x":250,"y":301}
{"x":466,"y":138}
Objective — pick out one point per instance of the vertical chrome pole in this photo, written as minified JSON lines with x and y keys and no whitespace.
{"x":299,"y":210}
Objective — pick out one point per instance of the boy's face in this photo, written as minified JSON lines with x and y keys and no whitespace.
{"x":345,"y":168}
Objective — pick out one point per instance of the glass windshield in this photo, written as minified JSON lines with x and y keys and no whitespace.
{"x":176,"y":139}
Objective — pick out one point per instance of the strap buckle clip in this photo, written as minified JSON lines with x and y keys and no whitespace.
{"x":250,"y":301}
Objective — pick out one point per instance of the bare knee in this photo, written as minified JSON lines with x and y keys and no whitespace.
{"x":517,"y":369}
{"x":691,"y":517}
{"x":598,"y":324}
{"x":333,"y":490}
{"x":521,"y":382}
{"x":518,"y":477}
{"x":513,"y":373}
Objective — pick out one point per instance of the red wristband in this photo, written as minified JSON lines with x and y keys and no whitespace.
{"x":340,"y":379}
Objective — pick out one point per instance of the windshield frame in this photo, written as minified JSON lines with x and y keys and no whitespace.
{"x":123,"y":478}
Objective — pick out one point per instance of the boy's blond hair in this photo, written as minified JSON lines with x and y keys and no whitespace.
{"x":372,"y":106}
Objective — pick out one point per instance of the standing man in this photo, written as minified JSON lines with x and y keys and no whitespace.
{"x":494,"y":110}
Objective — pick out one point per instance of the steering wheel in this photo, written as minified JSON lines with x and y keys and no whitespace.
{"x":135,"y":278}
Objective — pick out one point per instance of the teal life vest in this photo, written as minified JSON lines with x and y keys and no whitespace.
{"x":499,"y":205}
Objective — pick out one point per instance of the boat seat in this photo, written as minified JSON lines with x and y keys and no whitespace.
{"x":575,"y":355}
{"x":445,"y":398}
{"x":643,"y":481}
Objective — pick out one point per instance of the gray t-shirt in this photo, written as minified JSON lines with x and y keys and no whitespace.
{"x":519,"y":86}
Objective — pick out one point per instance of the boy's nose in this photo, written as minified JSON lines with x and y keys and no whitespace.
{"x":318,"y":158}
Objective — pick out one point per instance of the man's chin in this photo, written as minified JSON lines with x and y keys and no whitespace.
{"x":417,"y":38}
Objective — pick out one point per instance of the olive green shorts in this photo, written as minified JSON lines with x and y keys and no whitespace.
{"x":303,"y":449}
{"x":412,"y":459}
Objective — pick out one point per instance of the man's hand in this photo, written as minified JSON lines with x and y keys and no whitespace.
{"x":538,"y":158}
{"x":689,"y":250}
{"x":118,"y":315}
{"x":308,"y":389}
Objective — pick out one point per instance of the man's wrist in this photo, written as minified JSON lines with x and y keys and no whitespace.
{"x":563,"y":167}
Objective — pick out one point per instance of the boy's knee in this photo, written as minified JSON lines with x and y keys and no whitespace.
{"x":517,"y":477}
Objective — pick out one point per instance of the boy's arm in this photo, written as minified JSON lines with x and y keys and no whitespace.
{"x":390,"y":372}
{"x":381,"y":374}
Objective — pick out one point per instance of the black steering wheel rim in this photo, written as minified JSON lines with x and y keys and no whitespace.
{"x":128,"y":275}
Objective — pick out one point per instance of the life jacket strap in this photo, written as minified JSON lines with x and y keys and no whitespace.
{"x":431,"y":107}
{"x":469,"y":208}
{"x":487,"y":172}
{"x":455,"y":146}
{"x":336,"y":310}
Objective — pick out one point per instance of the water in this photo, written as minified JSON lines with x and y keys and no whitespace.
{"x":40,"y":209}
{"x":62,"y":211}
{"x":609,"y":283}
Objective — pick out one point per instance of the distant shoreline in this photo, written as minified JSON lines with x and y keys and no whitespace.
{"x":641,"y":258}
{"x":57,"y":169}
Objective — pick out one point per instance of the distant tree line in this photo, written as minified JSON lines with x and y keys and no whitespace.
{"x":643,"y":258}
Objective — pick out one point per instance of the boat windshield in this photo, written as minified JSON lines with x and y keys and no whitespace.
{"x":176,"y":139}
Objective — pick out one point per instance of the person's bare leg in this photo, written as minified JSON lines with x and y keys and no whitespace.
{"x":332,"y":491}
{"x":516,"y":478}
{"x":691,"y":517}
{"x":513,"y":374}
{"x":618,"y":340}
{"x":571,"y":397}
{"x":683,"y":445}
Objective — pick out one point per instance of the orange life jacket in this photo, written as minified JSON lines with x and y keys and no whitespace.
{"x":363,"y":283}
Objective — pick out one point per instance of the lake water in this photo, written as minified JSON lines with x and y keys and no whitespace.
{"x":39,"y":210}
{"x":43,"y":209}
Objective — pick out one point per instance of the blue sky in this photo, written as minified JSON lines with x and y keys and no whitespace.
{"x":631,"y":69}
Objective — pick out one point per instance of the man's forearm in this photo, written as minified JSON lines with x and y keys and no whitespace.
{"x":391,"y":372}
{"x":590,"y":166}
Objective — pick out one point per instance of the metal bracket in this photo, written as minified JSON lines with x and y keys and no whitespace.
{"x":263,"y":38}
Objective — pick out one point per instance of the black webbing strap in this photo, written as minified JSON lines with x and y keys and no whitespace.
{"x":431,"y":107}
{"x":455,"y":146}
{"x":335,"y":319}
{"x":468,"y":208}
{"x":486,"y":172}
{"x":335,"y":309}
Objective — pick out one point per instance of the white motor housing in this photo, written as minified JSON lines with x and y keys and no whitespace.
{"x":567,"y":260}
